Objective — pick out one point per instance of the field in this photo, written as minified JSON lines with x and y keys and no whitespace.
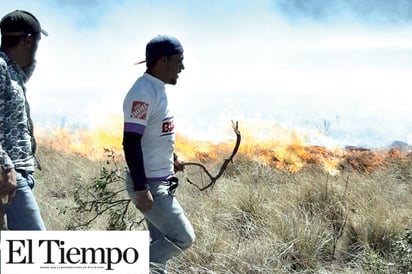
{"x":313,"y":211}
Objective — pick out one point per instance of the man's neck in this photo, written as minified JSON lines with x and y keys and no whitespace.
{"x":156,"y":74}
{"x":13,"y":54}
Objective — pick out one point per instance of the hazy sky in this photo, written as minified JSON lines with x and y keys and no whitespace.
{"x":341,"y":66}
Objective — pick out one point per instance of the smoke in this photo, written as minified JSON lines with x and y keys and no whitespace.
{"x":289,"y":62}
{"x":81,"y":4}
{"x":366,"y":11}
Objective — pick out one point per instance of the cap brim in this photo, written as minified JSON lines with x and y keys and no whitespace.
{"x":141,"y":62}
{"x":45,"y":33}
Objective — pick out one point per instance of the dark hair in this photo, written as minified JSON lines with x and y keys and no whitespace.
{"x":9,"y":41}
{"x":150,"y":64}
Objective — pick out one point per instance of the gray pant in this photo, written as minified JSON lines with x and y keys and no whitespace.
{"x":23,"y":213}
{"x":170,"y":230}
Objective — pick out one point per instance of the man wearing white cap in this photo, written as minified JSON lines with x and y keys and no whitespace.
{"x":20,"y":35}
{"x":148,"y":143}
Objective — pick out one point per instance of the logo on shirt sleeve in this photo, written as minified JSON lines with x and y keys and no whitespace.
{"x":139,"y":110}
{"x":167,"y":127}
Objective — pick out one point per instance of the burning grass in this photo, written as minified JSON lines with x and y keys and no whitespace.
{"x":279,"y":208}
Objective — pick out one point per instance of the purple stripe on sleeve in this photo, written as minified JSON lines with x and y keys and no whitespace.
{"x":136,"y":128}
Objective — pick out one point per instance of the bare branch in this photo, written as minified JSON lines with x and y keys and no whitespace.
{"x":226,"y":162}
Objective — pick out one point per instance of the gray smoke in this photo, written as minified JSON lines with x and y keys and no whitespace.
{"x":368,"y":11}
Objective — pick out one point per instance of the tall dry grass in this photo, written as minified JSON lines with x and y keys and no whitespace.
{"x":258,"y":219}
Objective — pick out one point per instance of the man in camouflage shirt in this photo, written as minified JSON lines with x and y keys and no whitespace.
{"x":20,"y":35}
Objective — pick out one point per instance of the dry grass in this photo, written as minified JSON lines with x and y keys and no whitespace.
{"x":258,"y":219}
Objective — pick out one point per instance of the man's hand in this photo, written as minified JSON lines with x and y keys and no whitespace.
{"x":178,"y":165}
{"x":144,"y":200}
{"x":8,"y":185}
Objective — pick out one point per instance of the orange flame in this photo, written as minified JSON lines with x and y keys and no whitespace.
{"x":88,"y":143}
{"x":273,"y":146}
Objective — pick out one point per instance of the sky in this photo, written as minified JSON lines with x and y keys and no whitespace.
{"x":341,"y":68}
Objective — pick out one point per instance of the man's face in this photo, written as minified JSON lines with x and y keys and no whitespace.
{"x":174,"y":66}
{"x":31,"y":43}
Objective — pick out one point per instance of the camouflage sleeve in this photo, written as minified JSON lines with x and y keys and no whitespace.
{"x":5,"y":161}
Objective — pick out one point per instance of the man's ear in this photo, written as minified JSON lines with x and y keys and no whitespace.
{"x":163,"y":60}
{"x":29,"y":39}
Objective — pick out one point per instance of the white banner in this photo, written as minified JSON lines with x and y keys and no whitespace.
{"x":74,"y":252}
